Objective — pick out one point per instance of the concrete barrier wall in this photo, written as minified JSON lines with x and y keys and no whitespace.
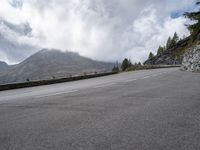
{"x":53,"y":81}
{"x":161,"y":66}
{"x":61,"y":80}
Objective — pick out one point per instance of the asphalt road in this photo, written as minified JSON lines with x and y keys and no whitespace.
{"x":144,"y":110}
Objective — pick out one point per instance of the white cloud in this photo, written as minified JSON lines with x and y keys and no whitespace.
{"x":3,"y":57}
{"x":101,"y":29}
{"x":147,"y":33}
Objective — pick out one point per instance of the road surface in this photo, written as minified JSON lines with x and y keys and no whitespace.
{"x":143,"y":110}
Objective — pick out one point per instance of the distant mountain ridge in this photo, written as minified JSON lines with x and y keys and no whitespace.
{"x":49,"y":64}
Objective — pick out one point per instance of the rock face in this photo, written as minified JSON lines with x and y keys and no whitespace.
{"x":191,"y":59}
{"x":167,"y":58}
{"x":171,"y":56}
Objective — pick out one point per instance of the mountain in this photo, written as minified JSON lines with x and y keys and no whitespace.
{"x":48,"y":64}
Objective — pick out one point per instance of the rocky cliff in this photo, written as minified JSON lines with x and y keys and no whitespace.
{"x":171,"y":56}
{"x":191,"y":59}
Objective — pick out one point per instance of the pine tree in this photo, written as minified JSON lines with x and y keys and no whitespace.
{"x":175,"y":38}
{"x":164,"y":48}
{"x":129,"y":63}
{"x":151,"y":55}
{"x":169,"y":42}
{"x":160,"y":50}
{"x":115,"y":69}
{"x":125,"y":64}
{"x":195,"y":27}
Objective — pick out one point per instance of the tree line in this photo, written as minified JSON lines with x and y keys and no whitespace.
{"x":126,"y":64}
{"x":171,"y":42}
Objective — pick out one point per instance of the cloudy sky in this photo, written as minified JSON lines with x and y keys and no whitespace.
{"x":107,"y":30}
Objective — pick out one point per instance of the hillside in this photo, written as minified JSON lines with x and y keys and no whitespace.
{"x":48,"y":64}
{"x":176,"y":49}
{"x":173,"y":55}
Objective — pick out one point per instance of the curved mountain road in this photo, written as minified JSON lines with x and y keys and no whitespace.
{"x":142,"y":110}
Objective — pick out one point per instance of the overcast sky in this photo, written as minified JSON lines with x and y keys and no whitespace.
{"x":107,"y":30}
